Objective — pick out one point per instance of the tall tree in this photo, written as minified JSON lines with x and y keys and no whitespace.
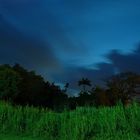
{"x":9,"y":83}
{"x":122,"y":85}
{"x":31,"y":87}
{"x":66,"y":87}
{"x":84,"y":82}
{"x":56,"y":98}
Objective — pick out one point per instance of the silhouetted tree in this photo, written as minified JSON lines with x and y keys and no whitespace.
{"x":72,"y":103}
{"x":66,"y":87}
{"x":31,"y":87}
{"x":122,"y":86}
{"x":84,"y":82}
{"x":56,"y":98}
{"x":83,"y":99}
{"x":26,"y":87}
{"x":9,"y":83}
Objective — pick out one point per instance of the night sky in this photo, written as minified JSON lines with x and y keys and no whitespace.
{"x":65,"y":40}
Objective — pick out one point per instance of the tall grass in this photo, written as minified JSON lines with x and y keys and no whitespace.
{"x":85,"y":123}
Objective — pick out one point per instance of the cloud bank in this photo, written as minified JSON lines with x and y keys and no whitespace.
{"x":119,"y":62}
{"x":17,"y":47}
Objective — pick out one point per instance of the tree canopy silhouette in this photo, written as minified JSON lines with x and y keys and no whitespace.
{"x":123,"y":85}
{"x":24,"y":87}
{"x":84,"y":82}
{"x":9,"y":83}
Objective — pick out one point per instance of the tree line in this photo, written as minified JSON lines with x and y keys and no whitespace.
{"x":22,"y":87}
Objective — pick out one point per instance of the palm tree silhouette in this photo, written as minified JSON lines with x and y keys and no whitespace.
{"x":84,"y":82}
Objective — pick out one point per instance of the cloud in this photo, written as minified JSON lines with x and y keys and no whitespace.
{"x":45,"y":19}
{"x":17,"y":47}
{"x":119,"y":62}
{"x":125,"y":62}
{"x":53,"y":21}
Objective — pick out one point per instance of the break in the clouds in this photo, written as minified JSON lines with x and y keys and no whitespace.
{"x":119,"y":62}
{"x":75,"y":36}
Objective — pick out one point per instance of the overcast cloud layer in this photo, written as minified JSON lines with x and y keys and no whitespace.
{"x":66,"y":40}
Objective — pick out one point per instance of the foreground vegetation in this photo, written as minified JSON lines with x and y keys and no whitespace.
{"x":13,"y":137}
{"x":40,"y":110}
{"x":84,"y":123}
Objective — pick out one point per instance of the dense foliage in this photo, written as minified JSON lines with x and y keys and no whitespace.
{"x":9,"y":82}
{"x":23,"y":87}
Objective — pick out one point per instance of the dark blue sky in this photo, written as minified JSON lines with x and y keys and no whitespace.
{"x":65,"y":40}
